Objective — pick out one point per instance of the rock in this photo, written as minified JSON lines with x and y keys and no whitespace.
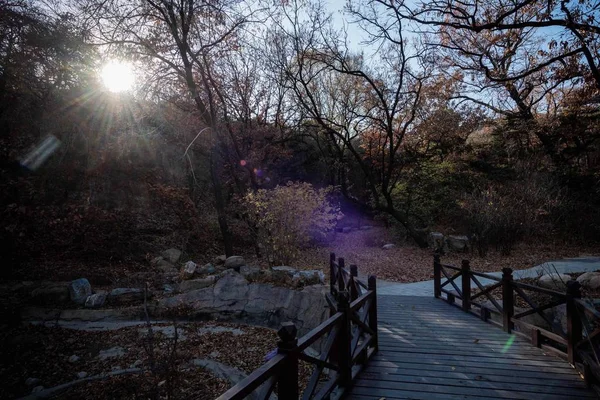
{"x":188,"y":270}
{"x":232,"y":297}
{"x":163,"y":265}
{"x":282,"y":274}
{"x":168,"y":288}
{"x":171,"y":255}
{"x":79,"y":290}
{"x":249,"y":272}
{"x":96,"y":300}
{"x":589,"y":280}
{"x":37,"y":389}
{"x":235,"y":262}
{"x":289,"y":270}
{"x":206,"y":269}
{"x":195,"y":284}
{"x":436,"y":241}
{"x":51,"y":293}
{"x":231,"y":287}
{"x":125,"y":295}
{"x":559,"y":319}
{"x":73,"y":359}
{"x":32,"y":381}
{"x":156,"y":260}
{"x":220,"y":260}
{"x":113,"y":352}
{"x":457,"y":243}
{"x":312,"y":277}
{"x":554,"y":281}
{"x":388,"y":246}
{"x":82,"y":374}
{"x":346,"y":229}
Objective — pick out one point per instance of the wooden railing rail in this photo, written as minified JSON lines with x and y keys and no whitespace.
{"x":349,"y":340}
{"x":580,"y":344}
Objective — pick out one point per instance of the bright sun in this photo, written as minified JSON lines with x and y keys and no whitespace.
{"x":117,"y":76}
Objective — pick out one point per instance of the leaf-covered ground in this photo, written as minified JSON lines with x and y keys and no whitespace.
{"x":408,"y":263}
{"x":44,"y":353}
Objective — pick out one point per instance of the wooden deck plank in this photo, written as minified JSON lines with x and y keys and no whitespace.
{"x":502,"y":391}
{"x":388,"y":374}
{"x":430,"y":350}
{"x":534,"y":386}
{"x":443,"y":370}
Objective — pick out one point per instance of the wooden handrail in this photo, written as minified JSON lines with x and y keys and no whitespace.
{"x":538,"y":289}
{"x":254,"y":380}
{"x":349,"y":340}
{"x":315,"y":334}
{"x":575,"y":346}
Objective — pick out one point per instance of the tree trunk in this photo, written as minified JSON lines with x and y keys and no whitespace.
{"x":219,"y":200}
{"x":417,"y":235}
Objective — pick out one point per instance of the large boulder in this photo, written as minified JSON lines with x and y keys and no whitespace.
{"x":79,"y":290}
{"x":589,"y":280}
{"x":457,"y":243}
{"x":554,"y":281}
{"x":234,"y":262}
{"x":171,"y":255}
{"x":234,"y":297}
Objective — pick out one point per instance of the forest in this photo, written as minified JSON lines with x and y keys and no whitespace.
{"x":259,"y":136}
{"x":480,"y":118}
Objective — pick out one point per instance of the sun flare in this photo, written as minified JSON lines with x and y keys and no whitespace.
{"x":117,"y":76}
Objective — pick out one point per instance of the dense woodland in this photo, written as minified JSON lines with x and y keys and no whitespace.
{"x":478,"y":117}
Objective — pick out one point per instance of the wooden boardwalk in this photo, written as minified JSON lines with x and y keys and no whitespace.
{"x":429,"y":350}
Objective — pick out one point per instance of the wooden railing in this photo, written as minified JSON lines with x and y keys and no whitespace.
{"x":580,"y":344}
{"x":348,"y":339}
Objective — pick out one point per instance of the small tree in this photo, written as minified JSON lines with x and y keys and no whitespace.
{"x":288,"y":217}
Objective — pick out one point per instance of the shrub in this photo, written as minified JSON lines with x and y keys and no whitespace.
{"x":501,"y":215}
{"x":287,"y":217}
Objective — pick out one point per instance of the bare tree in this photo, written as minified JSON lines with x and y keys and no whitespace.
{"x":364,"y":108}
{"x":570,"y":29}
{"x":182,"y":45}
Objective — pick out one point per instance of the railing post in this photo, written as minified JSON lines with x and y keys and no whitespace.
{"x":287,"y":382}
{"x":331,"y":272}
{"x":437,"y":276}
{"x":573,"y":320}
{"x":372,"y":285}
{"x":536,"y":338}
{"x":508,"y":301}
{"x":353,"y":278}
{"x":466,"y":285}
{"x":344,"y":342}
{"x":341,"y":286}
{"x":484,"y":313}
